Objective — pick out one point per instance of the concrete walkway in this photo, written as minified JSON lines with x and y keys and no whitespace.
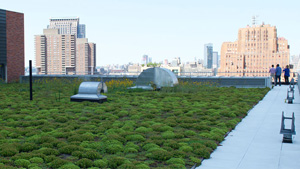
{"x":255,"y":143}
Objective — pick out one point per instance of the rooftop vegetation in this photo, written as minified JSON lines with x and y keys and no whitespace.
{"x":171,"y":128}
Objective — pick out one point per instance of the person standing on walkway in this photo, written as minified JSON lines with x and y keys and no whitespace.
{"x":272,"y":73}
{"x":286,"y":74}
{"x":278,"y":74}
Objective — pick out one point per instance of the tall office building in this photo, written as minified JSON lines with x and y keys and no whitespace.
{"x":256,"y":49}
{"x":81,"y":31}
{"x":145,"y":59}
{"x":68,"y":26}
{"x":150,"y":59}
{"x":11,"y":45}
{"x":215,"y":60}
{"x":176,"y":62}
{"x":208,"y":55}
{"x":166,"y":62}
{"x":59,"y":51}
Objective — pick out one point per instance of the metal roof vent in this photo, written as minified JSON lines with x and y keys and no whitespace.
{"x":90,"y":91}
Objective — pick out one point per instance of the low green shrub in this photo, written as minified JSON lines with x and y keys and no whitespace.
{"x":46,"y":139}
{"x":50,"y":158}
{"x":216,"y":136}
{"x":34,"y":166}
{"x":161,"y":127}
{"x":180,"y":154}
{"x":114,"y":148}
{"x":8,"y":151}
{"x":6,"y":161}
{"x":126,"y":166}
{"x":168,"y":135}
{"x":80,"y":138}
{"x":91,"y":154}
{"x":58,"y":163}
{"x":195,"y":160}
{"x":68,"y":149}
{"x":115,"y":162}
{"x":26,"y":147}
{"x":132,"y":145}
{"x":128,"y":127}
{"x":130,"y":150}
{"x":142,"y":166}
{"x":116,"y":137}
{"x":143,"y":130}
{"x":177,"y":166}
{"x":189,"y":133}
{"x":49,"y":151}
{"x":179,"y":135}
{"x":84,"y":163}
{"x":83,"y":119}
{"x":186,"y":148}
{"x":150,"y":146}
{"x":202,"y":152}
{"x":122,"y":113}
{"x":22,"y":163}
{"x":135,"y":137}
{"x":212,"y":144}
{"x":176,"y":161}
{"x":22,"y":155}
{"x":100,"y":163}
{"x":47,"y":145}
{"x":159,"y":154}
{"x":78,"y":154}
{"x":172,"y":143}
{"x":69,"y":166}
{"x":61,"y":119}
{"x":37,"y":160}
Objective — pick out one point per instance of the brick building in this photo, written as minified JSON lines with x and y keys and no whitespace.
{"x":256,"y":49}
{"x":59,"y":51}
{"x":11,"y":45}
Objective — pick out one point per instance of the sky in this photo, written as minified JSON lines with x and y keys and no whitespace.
{"x":125,"y":30}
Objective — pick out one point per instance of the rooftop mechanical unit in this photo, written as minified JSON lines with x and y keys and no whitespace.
{"x":155,"y":78}
{"x":90,"y":91}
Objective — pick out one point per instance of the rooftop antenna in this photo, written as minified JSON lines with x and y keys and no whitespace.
{"x":254,"y":19}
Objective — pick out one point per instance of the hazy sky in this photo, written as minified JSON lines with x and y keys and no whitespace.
{"x":124,"y":30}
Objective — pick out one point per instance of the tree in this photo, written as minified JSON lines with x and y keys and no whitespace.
{"x":153,"y":64}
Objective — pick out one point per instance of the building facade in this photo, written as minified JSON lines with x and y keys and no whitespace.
{"x":86,"y":57}
{"x":11,"y":45}
{"x":145,"y":59}
{"x":215,"y":60}
{"x":208,"y":55}
{"x":81,"y":31}
{"x":61,"y":52}
{"x":68,"y":26}
{"x":256,"y":49}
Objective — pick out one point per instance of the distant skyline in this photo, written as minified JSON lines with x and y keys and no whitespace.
{"x":125,"y":30}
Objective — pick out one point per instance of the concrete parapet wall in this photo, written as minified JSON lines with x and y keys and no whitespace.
{"x":240,"y":82}
{"x":38,"y":78}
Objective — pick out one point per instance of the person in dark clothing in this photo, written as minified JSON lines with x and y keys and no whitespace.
{"x":286,"y":74}
{"x":278,"y":74}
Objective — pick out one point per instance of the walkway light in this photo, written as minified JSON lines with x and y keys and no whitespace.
{"x":287,"y":133}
